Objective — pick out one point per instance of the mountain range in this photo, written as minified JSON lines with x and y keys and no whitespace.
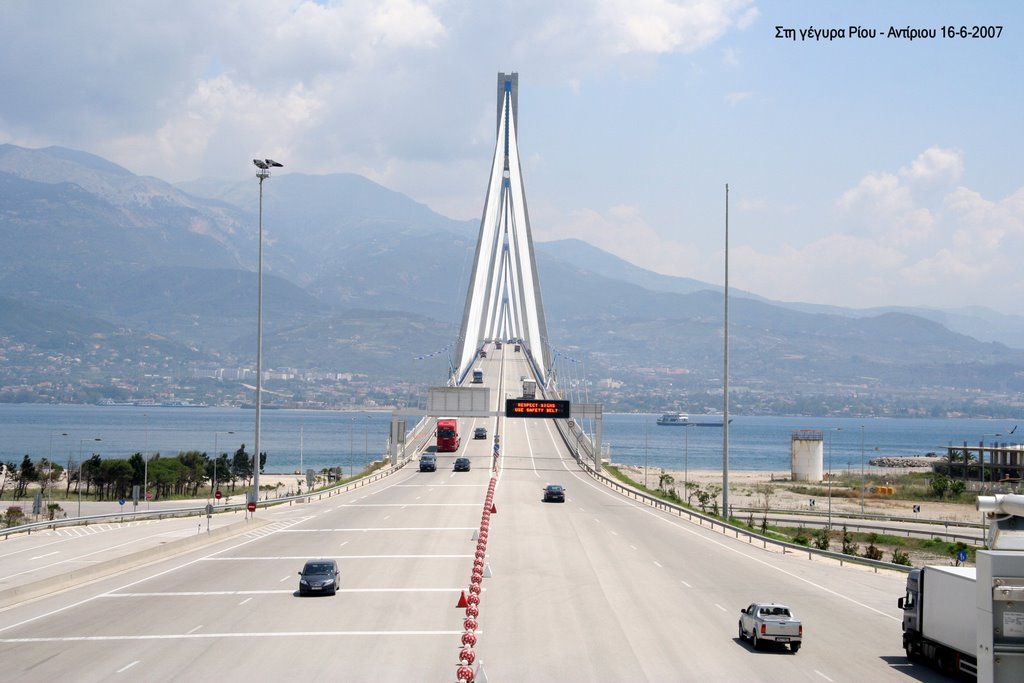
{"x":124,"y":273}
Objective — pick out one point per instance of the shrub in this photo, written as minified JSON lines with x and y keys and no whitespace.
{"x":14,"y":516}
{"x":801,"y":537}
{"x":849,"y":547}
{"x":821,"y":539}
{"x":900,"y":557}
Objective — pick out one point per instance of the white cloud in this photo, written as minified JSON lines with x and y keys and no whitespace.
{"x":663,"y":26}
{"x":935,"y":164}
{"x":886,"y":208}
{"x":900,"y":251}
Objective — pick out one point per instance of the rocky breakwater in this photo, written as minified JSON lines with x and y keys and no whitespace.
{"x":913,"y":461}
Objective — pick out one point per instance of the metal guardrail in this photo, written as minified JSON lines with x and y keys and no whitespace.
{"x":856,"y":521}
{"x":201,"y":509}
{"x":866,"y":517}
{"x":725,"y":527}
{"x":951,"y":536}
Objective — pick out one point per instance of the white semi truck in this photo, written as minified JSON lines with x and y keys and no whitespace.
{"x":939,"y":623}
{"x":969,"y":621}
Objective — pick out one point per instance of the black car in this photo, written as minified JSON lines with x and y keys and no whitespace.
{"x":462,"y":464}
{"x":554,"y":493}
{"x":319,"y":576}
{"x":480,"y":433}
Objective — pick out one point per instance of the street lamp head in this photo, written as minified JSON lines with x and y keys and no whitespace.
{"x":267,"y":163}
{"x":260,"y":163}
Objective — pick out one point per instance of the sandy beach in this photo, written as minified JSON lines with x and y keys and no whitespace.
{"x":745,"y":487}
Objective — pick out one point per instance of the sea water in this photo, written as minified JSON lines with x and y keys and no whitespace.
{"x":315,"y":439}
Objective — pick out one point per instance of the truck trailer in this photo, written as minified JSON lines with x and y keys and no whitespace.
{"x":447,"y":435}
{"x":529,"y":388}
{"x":939,"y":623}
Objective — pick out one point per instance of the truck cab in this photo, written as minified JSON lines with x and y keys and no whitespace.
{"x":478,"y":376}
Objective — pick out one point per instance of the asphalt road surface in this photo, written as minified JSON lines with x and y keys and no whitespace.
{"x":597,"y":588}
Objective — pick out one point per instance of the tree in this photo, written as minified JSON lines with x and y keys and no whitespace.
{"x":241,"y":467}
{"x":26,"y":475}
{"x":90,"y":471}
{"x":665,"y":481}
{"x":113,"y":478}
{"x":139,"y":469}
{"x":939,"y":484}
{"x":193,"y":472}
{"x":164,"y":474}
{"x":222,"y":469}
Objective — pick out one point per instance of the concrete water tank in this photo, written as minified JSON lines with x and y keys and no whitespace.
{"x":806,"y":454}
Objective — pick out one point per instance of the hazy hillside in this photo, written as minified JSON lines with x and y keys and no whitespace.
{"x":361,"y":279}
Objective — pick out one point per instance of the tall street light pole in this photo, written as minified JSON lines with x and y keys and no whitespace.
{"x":145,"y":463}
{"x":725,"y":374}
{"x":834,"y":429}
{"x":686,"y":462}
{"x":263,"y":172}
{"x":862,"y":483}
{"x":80,"y":442}
{"x":49,"y":475}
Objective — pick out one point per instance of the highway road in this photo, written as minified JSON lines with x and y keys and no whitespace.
{"x":595,"y":589}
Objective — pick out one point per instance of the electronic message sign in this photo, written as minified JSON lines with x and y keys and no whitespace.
{"x":525,"y":407}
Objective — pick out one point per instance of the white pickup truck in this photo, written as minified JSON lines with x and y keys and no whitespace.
{"x":770,"y":622}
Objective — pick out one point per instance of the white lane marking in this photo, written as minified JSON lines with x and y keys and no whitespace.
{"x":28,"y":550}
{"x":822,"y":675}
{"x":633,"y":547}
{"x":386,"y":517}
{"x":431,"y":486}
{"x":127,"y":666}
{"x":378,"y":528}
{"x":71,"y":560}
{"x":195,"y":629}
{"x":39,"y":557}
{"x":685,"y":584}
{"x":333,"y":557}
{"x":196,"y":636}
{"x":658,"y":564}
{"x":244,"y":601}
{"x":720,"y":607}
{"x":613,"y":533}
{"x":287,"y":578}
{"x":208,"y":594}
{"x":248,"y":539}
{"x":684,"y":527}
{"x":403,"y":505}
{"x":343,"y":544}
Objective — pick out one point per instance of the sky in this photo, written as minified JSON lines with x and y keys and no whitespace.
{"x":862,"y":171}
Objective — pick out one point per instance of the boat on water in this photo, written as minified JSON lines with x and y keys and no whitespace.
{"x":151,"y":403}
{"x":683,"y":420}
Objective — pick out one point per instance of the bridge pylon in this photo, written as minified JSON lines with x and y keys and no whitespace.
{"x":504,"y":300}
